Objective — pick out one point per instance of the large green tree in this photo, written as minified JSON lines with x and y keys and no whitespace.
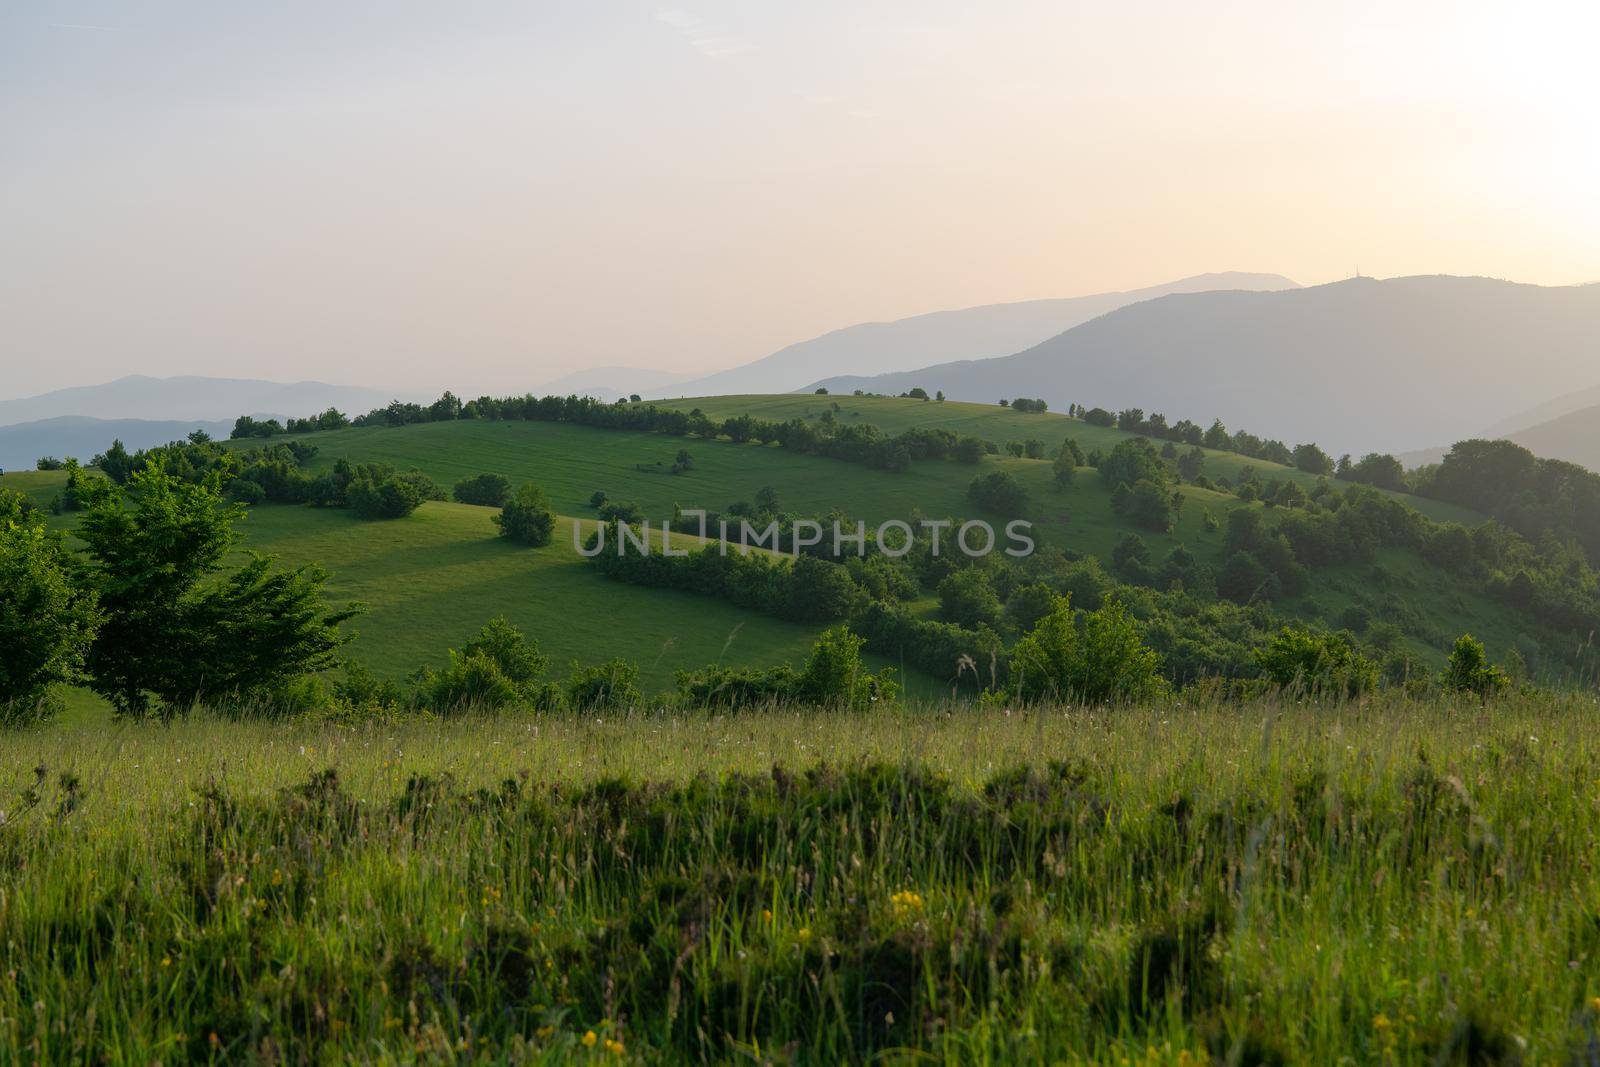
{"x":47,"y":619}
{"x":177,"y":631}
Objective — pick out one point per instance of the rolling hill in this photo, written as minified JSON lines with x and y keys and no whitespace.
{"x":1356,"y":366}
{"x":970,"y":333}
{"x":432,"y":579}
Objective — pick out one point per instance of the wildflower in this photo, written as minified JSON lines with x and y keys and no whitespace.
{"x":804,"y":934}
{"x":614,"y":1047}
{"x":766,"y":914}
{"x":544,"y":1032}
{"x":906,"y":903}
{"x":1381,"y":1021}
{"x":589,"y":1039}
{"x":1594,"y":1005}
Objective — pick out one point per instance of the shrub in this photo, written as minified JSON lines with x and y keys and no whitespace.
{"x":526,"y":518}
{"x":247,"y":492}
{"x":999,"y":493}
{"x":1470,"y":671}
{"x":390,"y":498}
{"x":1319,"y":662}
{"x":967,"y":599}
{"x":603,"y":686}
{"x":1107,"y":661}
{"x":47,"y":621}
{"x":834,"y":675}
{"x":484,"y":490}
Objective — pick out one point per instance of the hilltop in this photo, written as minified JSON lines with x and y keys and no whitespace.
{"x":969,"y":333}
{"x":1359,"y":365}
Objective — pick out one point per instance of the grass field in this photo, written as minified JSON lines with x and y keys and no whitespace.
{"x":1258,"y":884}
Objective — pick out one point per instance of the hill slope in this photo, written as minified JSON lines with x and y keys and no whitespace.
{"x":970,"y":333}
{"x":1356,"y":365}
{"x":190,"y":397}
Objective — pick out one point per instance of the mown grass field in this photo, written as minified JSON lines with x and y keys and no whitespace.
{"x":1172,"y":885}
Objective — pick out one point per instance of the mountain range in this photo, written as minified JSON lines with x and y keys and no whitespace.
{"x":1357,"y":365}
{"x":191,"y":397}
{"x":969,"y":333}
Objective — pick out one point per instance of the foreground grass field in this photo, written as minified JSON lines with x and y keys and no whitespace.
{"x":1169,"y":885}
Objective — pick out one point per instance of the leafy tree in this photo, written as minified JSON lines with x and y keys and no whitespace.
{"x":1317,"y":661}
{"x":1064,"y":468}
{"x":819,"y":590}
{"x":484,"y":490}
{"x":834,"y":675}
{"x":115,"y":463}
{"x":48,"y":463}
{"x":171,"y":636}
{"x":1099,"y":417}
{"x":604,"y":686}
{"x":1133,"y":461}
{"x":970,"y":450}
{"x":386,"y":497}
{"x":1028,"y":604}
{"x":1312,"y":460}
{"x":967,"y":599}
{"x":1469,"y":670}
{"x":526,"y":517}
{"x":1191,"y":464}
{"x":1107,"y":661}
{"x":597,"y":498}
{"x":1244,"y":579}
{"x":998,"y":492}
{"x":47,"y":619}
{"x":497,"y":668}
{"x":767,"y":500}
{"x":1150,"y":505}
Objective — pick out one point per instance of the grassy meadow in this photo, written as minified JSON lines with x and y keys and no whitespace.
{"x":1268,"y":883}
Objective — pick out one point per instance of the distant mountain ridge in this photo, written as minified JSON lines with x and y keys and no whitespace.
{"x":24,"y":444}
{"x":188,"y":397}
{"x":611,"y":383}
{"x":984,"y":332}
{"x":1358,"y":365}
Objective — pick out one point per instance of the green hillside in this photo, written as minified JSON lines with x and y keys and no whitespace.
{"x":991,"y":422}
{"x":432,"y":579}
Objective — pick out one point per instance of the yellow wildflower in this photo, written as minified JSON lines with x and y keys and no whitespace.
{"x":589,"y":1039}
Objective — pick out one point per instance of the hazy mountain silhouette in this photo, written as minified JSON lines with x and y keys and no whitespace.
{"x":1357,"y":365}
{"x":1549,"y":411}
{"x":610,"y":383}
{"x":22,"y":444}
{"x":192,"y":397}
{"x":1574,"y":437}
{"x":970,"y":333}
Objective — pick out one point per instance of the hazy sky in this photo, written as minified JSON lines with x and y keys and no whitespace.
{"x":485,"y":195}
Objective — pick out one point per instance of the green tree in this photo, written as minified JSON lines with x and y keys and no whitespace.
{"x":834,"y":675}
{"x":497,"y":668}
{"x":526,"y":518}
{"x":1469,"y":669}
{"x":967,"y":599}
{"x":604,"y":686}
{"x":47,"y":620}
{"x":1316,"y":661}
{"x":998,"y":492}
{"x":171,"y":636}
{"x":1104,"y":662}
{"x":484,"y":490}
{"x":1065,"y":467}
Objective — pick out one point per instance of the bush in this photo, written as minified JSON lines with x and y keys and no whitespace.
{"x":998,"y":493}
{"x":526,"y":518}
{"x":967,"y":599}
{"x":1317,"y":662}
{"x":1107,"y":661}
{"x":604,"y":686}
{"x":1470,"y":671}
{"x":484,"y":490}
{"x":247,"y":492}
{"x":47,"y":621}
{"x":391,"y":496}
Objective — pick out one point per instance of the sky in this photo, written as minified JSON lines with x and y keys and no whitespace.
{"x":486,"y":195}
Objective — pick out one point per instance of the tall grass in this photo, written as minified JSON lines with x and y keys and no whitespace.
{"x":1261,"y":884}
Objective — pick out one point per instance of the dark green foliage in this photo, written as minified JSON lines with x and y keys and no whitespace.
{"x":526,"y":517}
{"x":1148,"y":504}
{"x":377,"y":493}
{"x":1104,"y":661}
{"x":484,"y":490}
{"x":999,"y":494}
{"x":970,"y":450}
{"x":1317,"y":662}
{"x":968,"y":600}
{"x":1028,"y":604}
{"x":169,"y":637}
{"x":48,"y":463}
{"x":1470,"y":671}
{"x":47,"y":618}
{"x":1312,"y":460}
{"x":620,"y":511}
{"x":497,"y":669}
{"x":611,"y":685}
